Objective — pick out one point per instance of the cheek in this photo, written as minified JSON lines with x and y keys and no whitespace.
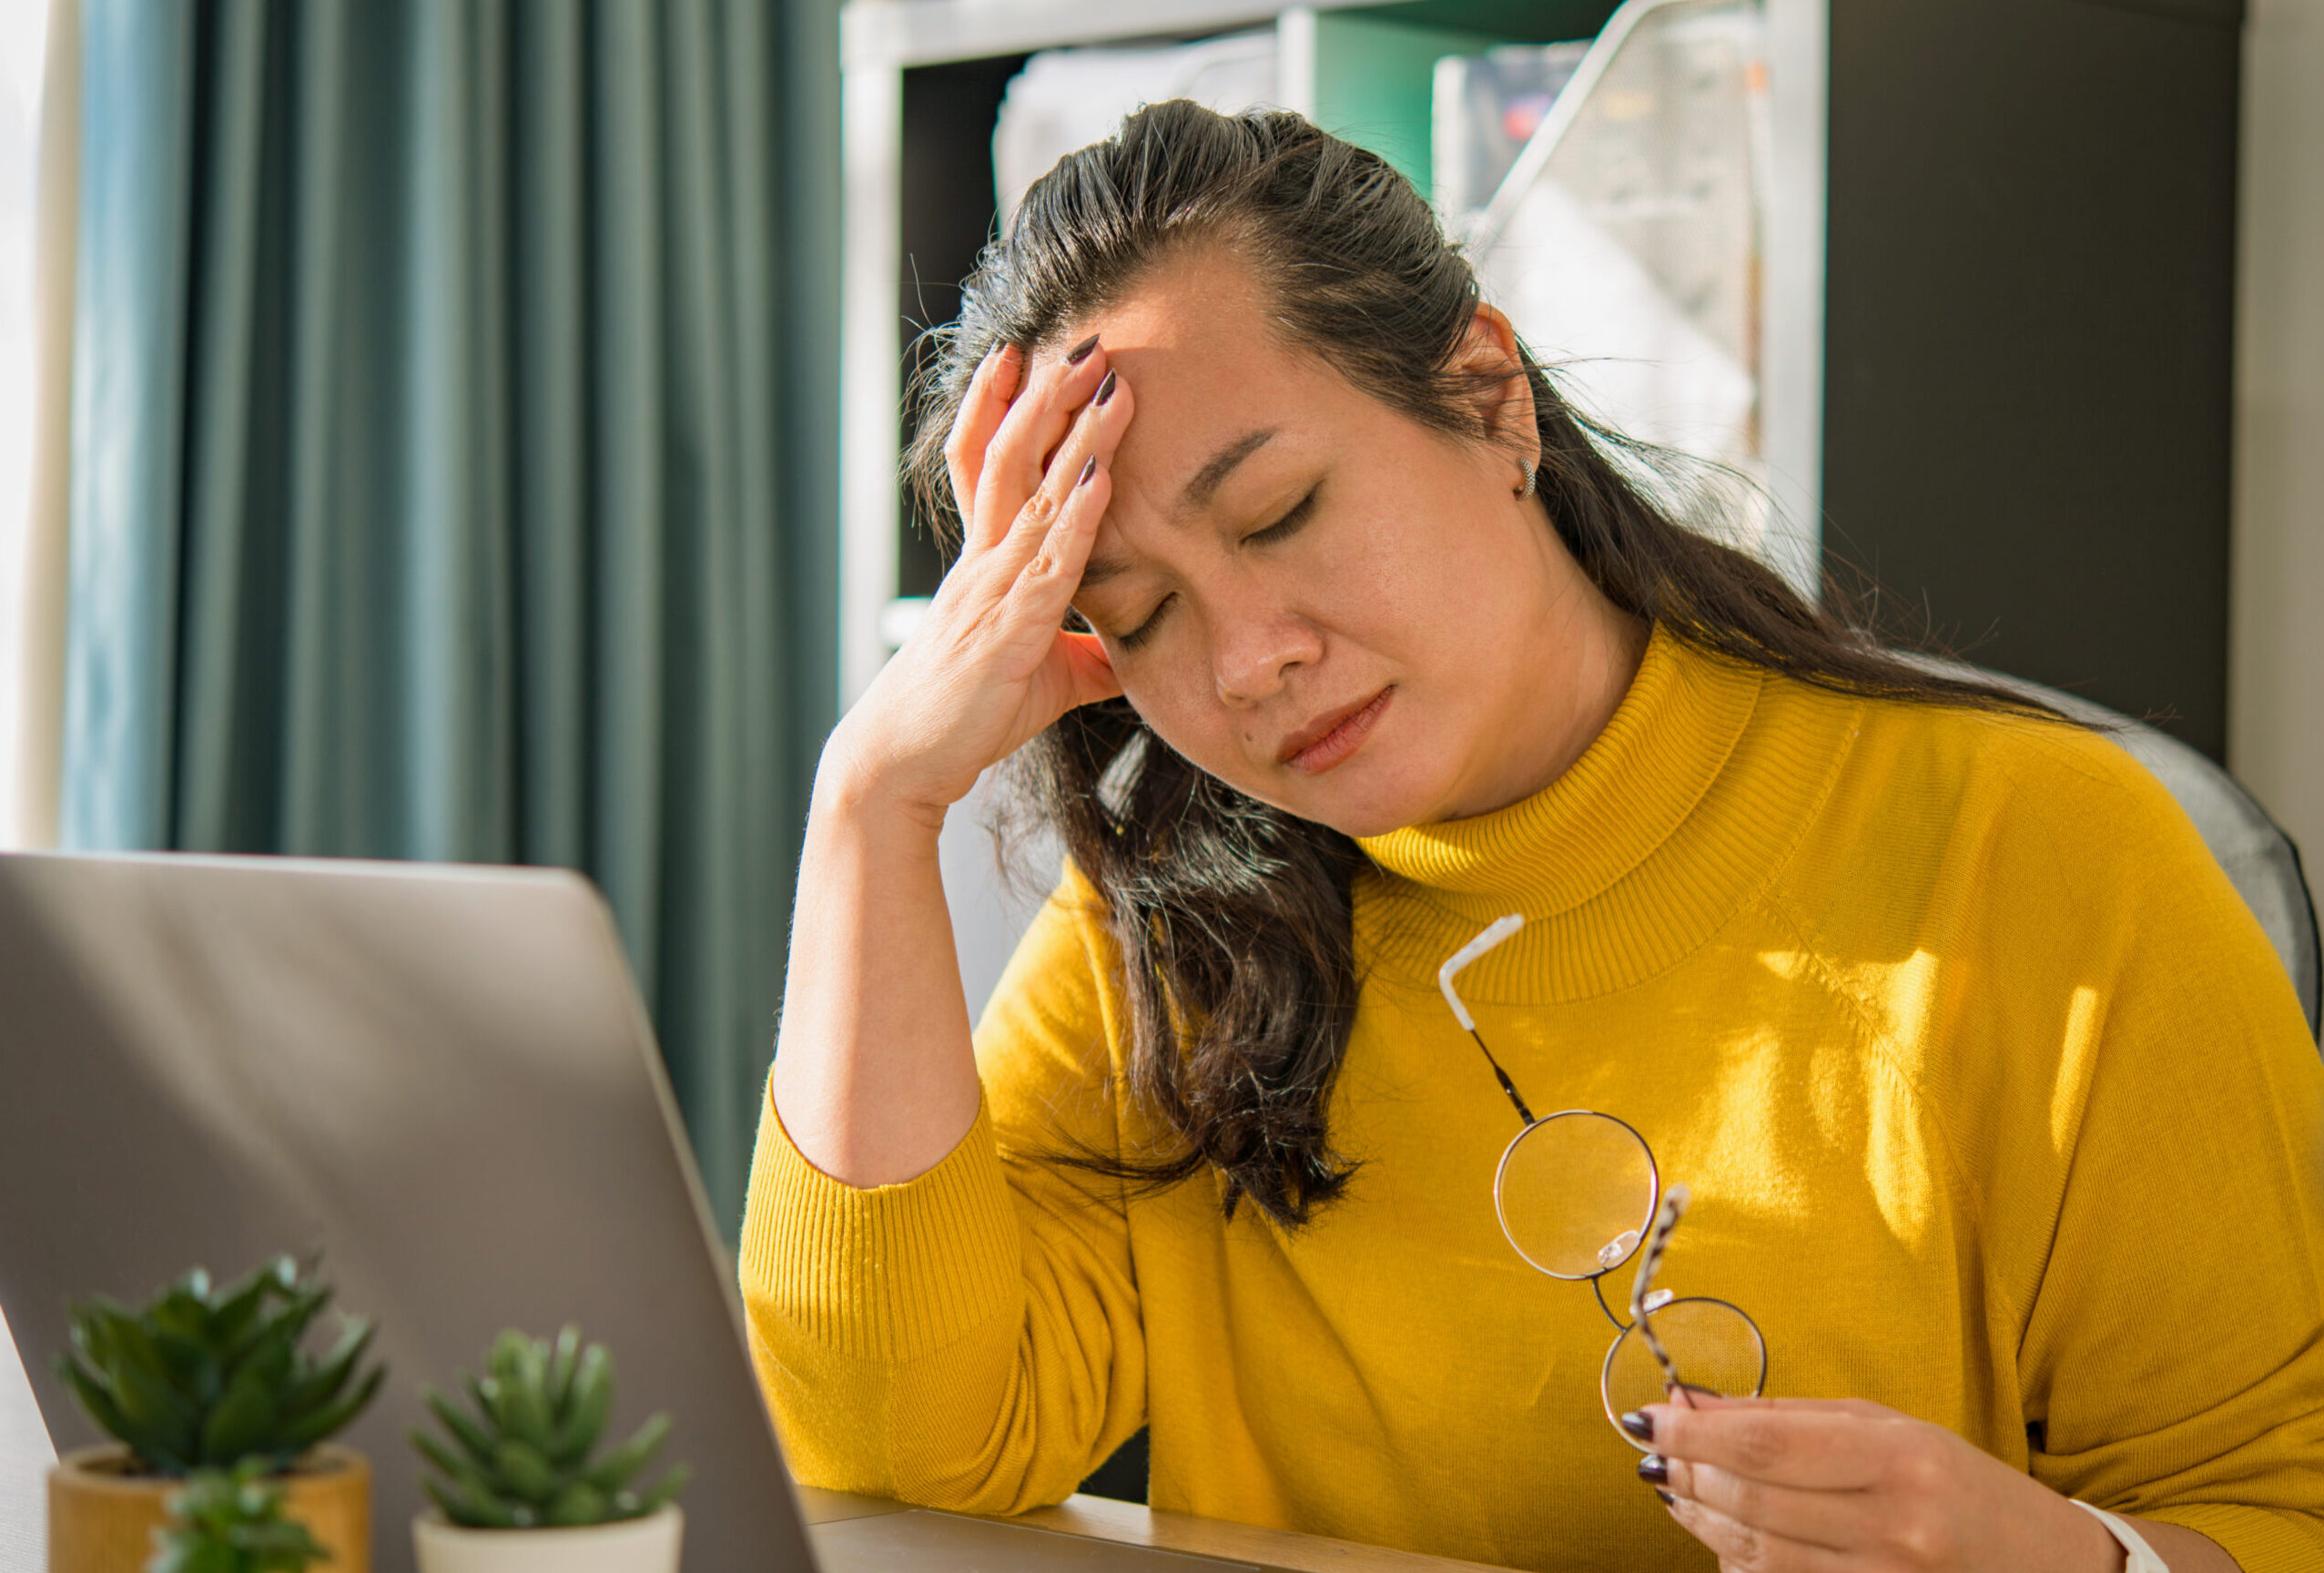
{"x":1176,"y":708}
{"x":1394,"y":572}
{"x":1174,"y":695}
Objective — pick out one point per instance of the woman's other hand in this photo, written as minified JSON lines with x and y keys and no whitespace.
{"x":1780,"y":1485}
{"x":991,"y":664}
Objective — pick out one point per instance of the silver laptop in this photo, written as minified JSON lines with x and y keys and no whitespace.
{"x":441,"y":1079}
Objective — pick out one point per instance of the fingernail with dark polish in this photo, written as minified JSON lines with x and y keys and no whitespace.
{"x":1638,"y":1424}
{"x":1105,"y":389}
{"x":1089,"y":469}
{"x":1081,"y":352}
{"x":1653,"y":1470}
{"x":1667,"y":1498}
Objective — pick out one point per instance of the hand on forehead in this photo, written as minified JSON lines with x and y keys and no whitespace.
{"x":1194,"y":339}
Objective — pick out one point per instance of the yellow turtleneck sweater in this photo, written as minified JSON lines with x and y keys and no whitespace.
{"x":1995,"y":1105}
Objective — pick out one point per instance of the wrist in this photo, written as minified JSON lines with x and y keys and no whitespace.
{"x":2139,"y":1544}
{"x":2096,"y":1550}
{"x":850,"y":788}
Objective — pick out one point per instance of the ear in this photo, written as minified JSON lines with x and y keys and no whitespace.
{"x":1502,"y":397}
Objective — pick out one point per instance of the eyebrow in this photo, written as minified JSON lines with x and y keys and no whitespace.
{"x":1198,"y":493}
{"x":1210,"y":477}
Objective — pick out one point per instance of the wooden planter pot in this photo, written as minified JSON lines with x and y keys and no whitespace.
{"x":101,"y":1517}
{"x":647,"y":1545}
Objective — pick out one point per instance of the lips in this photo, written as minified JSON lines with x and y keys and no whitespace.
{"x":1331,"y":738}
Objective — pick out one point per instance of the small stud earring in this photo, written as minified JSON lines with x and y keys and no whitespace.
{"x":1526,"y":490}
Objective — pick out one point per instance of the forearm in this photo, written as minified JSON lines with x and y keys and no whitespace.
{"x":874,"y":1078}
{"x":873,"y":1074}
{"x":898,"y":1339}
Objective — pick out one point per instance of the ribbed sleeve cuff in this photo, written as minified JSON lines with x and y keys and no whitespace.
{"x":2260,"y":1539}
{"x":889,"y":1272}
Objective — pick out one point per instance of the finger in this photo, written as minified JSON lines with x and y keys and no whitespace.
{"x":1708,"y":1399}
{"x":1704,"y":1398}
{"x":1096,"y":433}
{"x":1046,"y":586}
{"x":1837,"y":1520}
{"x":1053,"y":395}
{"x":1052,"y":572}
{"x":990,"y":389}
{"x":992,"y":578}
{"x":1747,"y":1546}
{"x":1030,"y":447}
{"x":1811,"y":1444}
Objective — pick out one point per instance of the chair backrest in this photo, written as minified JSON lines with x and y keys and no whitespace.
{"x":2259,"y":859}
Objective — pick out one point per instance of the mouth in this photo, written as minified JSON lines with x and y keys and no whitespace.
{"x":1314,"y":749}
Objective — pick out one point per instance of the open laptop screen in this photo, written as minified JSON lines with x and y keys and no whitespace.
{"x":441,"y":1080}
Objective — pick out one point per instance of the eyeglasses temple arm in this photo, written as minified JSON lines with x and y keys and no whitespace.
{"x":1501,"y":928}
{"x":1508,"y":1086}
{"x":1658,"y":1240}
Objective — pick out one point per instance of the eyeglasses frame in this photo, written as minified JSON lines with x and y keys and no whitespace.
{"x":1648,"y":1243}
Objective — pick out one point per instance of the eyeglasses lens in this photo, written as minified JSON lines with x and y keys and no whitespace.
{"x":1712,"y":1344}
{"x":1574,"y":1193}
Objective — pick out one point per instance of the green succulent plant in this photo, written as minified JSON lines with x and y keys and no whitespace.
{"x":232,"y":1522}
{"x":523,"y":1459}
{"x":204,"y":1378}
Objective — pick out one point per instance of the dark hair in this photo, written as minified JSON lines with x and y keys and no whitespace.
{"x":1234,"y":918}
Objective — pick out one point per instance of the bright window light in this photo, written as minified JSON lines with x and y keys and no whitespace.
{"x":23,"y":49}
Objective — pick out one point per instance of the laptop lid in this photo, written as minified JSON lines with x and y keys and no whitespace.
{"x":441,"y":1079}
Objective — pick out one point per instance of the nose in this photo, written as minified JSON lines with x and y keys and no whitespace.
{"x":1256,"y":648}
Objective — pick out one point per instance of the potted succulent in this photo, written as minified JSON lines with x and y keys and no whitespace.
{"x":517,"y":1480}
{"x":232,"y":1522}
{"x":207,"y":1378}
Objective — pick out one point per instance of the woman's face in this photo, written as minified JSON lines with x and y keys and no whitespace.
{"x":1318,"y":600}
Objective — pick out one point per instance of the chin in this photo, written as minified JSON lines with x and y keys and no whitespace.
{"x":1359,"y":805}
{"x":1378,"y":823}
{"x":1367,"y":794}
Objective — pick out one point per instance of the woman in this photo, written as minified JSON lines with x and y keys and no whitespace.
{"x":1336,"y":638}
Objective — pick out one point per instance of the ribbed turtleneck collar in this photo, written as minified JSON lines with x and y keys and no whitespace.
{"x":1672,"y":818}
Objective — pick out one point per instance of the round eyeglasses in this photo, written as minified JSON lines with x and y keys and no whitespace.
{"x":1579,"y":1194}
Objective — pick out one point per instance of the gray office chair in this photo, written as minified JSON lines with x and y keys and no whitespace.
{"x":2259,"y":859}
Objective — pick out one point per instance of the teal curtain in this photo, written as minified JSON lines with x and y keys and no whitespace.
{"x":454,"y":460}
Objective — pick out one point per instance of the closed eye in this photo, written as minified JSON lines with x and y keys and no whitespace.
{"x":1282,"y":528}
{"x":1144,"y":631}
{"x":1288,"y":525}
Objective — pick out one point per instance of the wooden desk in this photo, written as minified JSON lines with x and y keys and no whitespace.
{"x":1128,"y":1523}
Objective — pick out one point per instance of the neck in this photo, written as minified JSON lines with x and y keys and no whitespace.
{"x":1594,"y":650}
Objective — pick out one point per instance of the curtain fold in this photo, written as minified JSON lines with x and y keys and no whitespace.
{"x":454,"y":460}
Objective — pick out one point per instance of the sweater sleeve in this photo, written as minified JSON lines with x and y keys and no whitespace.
{"x":2173,"y":1351}
{"x":969,"y":1339}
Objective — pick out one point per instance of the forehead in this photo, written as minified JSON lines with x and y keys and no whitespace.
{"x":1195,"y":343}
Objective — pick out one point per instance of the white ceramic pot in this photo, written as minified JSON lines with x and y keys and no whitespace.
{"x":647,"y":1545}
